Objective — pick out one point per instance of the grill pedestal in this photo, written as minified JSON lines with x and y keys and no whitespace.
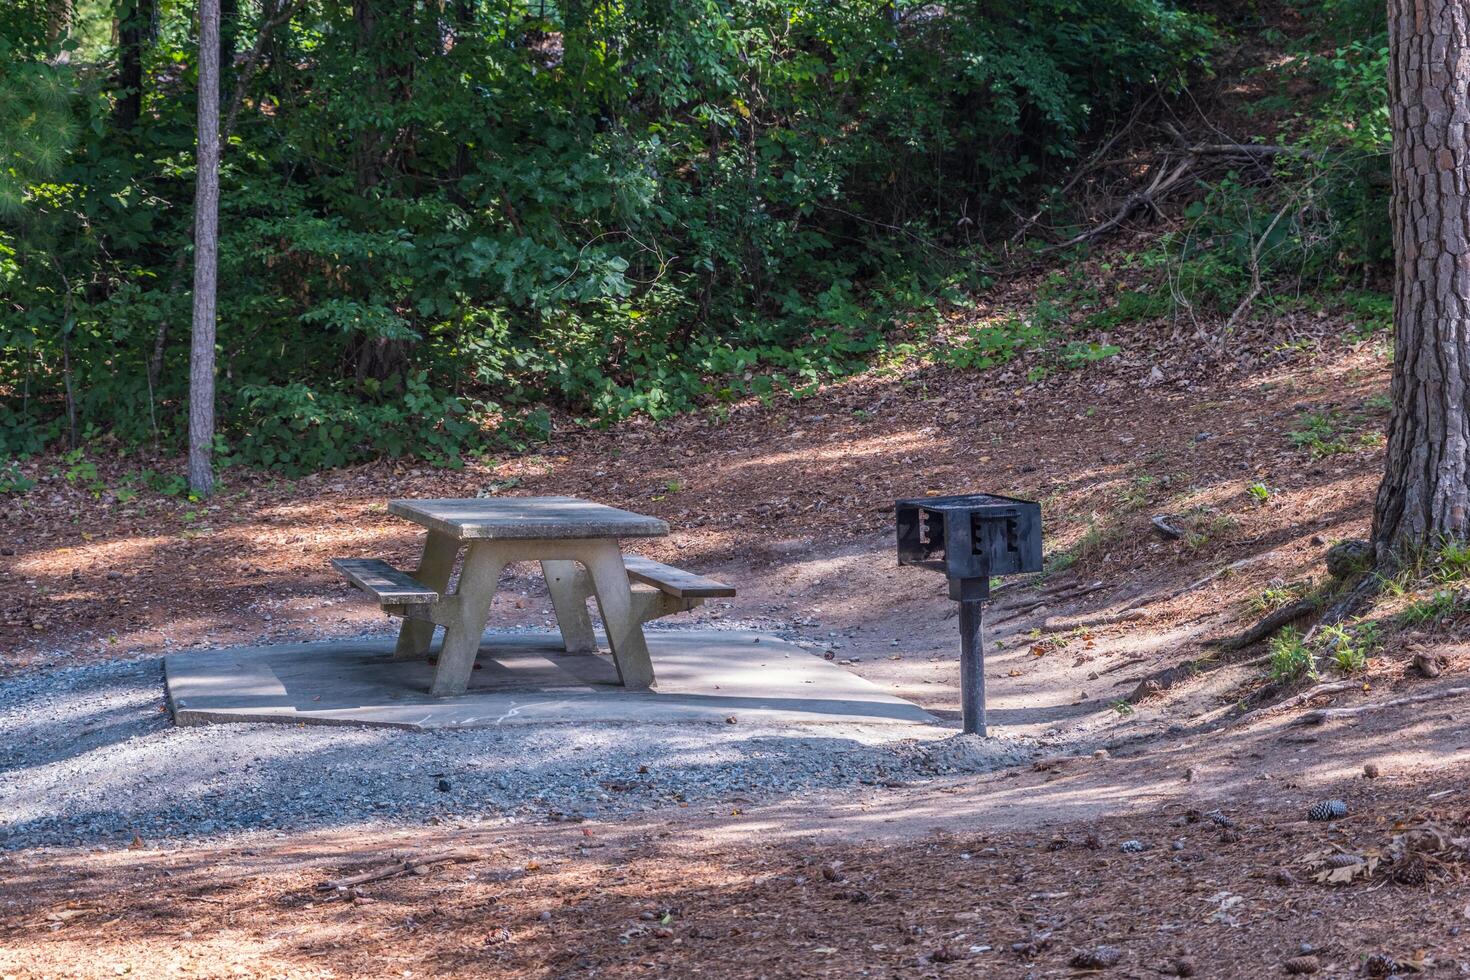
{"x":970,"y":538}
{"x":972,"y":669}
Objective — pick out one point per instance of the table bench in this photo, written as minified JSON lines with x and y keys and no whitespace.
{"x":576,"y":543}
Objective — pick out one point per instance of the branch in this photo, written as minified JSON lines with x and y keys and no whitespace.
{"x":246,"y":74}
{"x":1328,"y":714}
{"x":406,"y":866}
{"x":1320,"y":690}
{"x":1163,"y":182}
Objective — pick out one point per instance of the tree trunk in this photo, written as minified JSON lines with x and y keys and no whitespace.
{"x":1424,"y":498}
{"x":206,"y":256}
{"x":135,"y":32}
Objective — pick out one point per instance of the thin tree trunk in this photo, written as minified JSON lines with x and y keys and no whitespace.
{"x":1425,"y":494}
{"x":206,"y":255}
{"x":285,"y":10}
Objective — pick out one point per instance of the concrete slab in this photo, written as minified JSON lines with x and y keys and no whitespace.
{"x":522,"y":678}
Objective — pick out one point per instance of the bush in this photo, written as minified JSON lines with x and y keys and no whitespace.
{"x":617,"y":209}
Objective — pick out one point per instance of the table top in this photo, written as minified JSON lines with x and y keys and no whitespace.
{"x":523,"y":518}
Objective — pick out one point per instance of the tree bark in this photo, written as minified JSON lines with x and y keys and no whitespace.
{"x":206,"y":256}
{"x":1424,"y":498}
{"x":135,"y":32}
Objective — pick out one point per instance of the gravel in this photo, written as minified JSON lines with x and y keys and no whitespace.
{"x":89,"y":755}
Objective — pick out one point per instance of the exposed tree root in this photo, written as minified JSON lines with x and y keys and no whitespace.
{"x":1328,"y":714}
{"x":1270,"y":624}
{"x":1349,"y":603}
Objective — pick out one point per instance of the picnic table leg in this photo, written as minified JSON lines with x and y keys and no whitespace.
{"x":569,"y":599}
{"x":468,"y":610}
{"x":615,"y":600}
{"x":435,"y":567}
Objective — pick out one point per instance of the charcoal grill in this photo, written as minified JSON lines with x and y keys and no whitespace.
{"x":970,"y":538}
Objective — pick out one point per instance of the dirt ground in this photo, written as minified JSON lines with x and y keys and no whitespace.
{"x":1014,"y":873}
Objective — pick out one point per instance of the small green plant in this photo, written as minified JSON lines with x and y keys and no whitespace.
{"x":993,"y":344}
{"x":167,"y":484}
{"x":1452,"y":563}
{"x":1136,"y":495}
{"x":1290,"y":659}
{"x":1123,"y":708}
{"x":1441,"y":605}
{"x":1377,"y":403}
{"x":1276,"y":597}
{"x":1349,"y":649}
{"x":1320,"y":434}
{"x":1259,"y":492}
{"x":12,"y":480}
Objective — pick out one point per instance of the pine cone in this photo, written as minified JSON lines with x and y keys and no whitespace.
{"x":1343,"y":860}
{"x":1303,"y":964}
{"x":1328,"y":810}
{"x":1097,"y":959}
{"x":1410,"y":871}
{"x":1380,"y":965}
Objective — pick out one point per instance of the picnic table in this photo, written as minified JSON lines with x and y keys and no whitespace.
{"x":578,"y":544}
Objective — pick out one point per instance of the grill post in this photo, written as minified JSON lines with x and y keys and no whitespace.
{"x":972,"y":668}
{"x":971,"y":538}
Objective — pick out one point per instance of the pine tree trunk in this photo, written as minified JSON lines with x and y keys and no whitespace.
{"x":1425,"y":495}
{"x":206,"y":255}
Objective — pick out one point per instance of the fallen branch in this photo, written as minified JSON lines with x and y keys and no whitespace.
{"x":1164,"y":181}
{"x":1320,"y":690}
{"x":1123,"y":617}
{"x":1328,"y":714}
{"x":1001,"y":614}
{"x":1235,"y":566}
{"x":404,"y":867}
{"x":1120,"y":665}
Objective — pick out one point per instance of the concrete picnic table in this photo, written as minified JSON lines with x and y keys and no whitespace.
{"x":560,"y":533}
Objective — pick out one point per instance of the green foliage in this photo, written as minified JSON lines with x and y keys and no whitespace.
{"x":1290,"y":660}
{"x":1276,"y":597}
{"x":1319,"y":434}
{"x":1348,"y":648}
{"x":650,"y":208}
{"x":1259,"y":492}
{"x":1451,"y":564}
{"x":1438,"y":607}
{"x":297,"y":429}
{"x":12,"y":479}
{"x":1311,"y":215}
{"x":1332,"y":433}
{"x":993,"y":344}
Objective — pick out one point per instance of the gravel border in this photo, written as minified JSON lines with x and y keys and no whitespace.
{"x":89,"y":755}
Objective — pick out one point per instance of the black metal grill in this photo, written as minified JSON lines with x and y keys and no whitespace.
{"x":970,"y":538}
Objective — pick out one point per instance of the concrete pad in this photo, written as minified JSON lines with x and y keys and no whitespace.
{"x":522,"y":678}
